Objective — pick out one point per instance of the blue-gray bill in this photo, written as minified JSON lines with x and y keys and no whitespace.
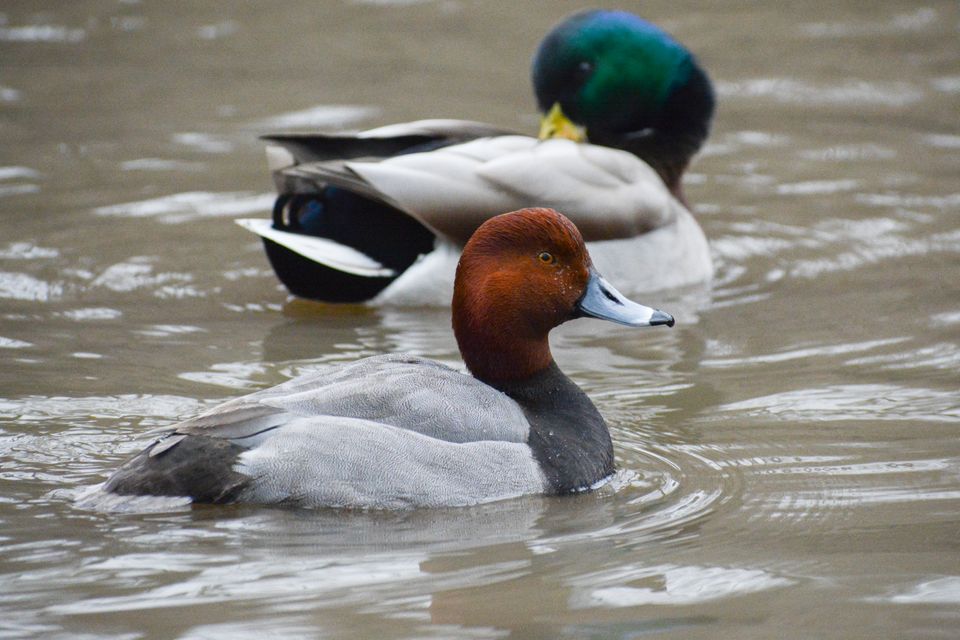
{"x":601,"y":300}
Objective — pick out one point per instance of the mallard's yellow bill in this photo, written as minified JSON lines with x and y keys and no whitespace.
{"x":556,"y":125}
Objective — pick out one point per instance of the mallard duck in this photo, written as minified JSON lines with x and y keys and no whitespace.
{"x":382,"y":215}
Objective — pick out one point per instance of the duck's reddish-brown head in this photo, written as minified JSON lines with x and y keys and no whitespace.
{"x":520,"y":275}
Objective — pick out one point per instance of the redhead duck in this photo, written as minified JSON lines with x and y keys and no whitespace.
{"x":399,"y":431}
{"x":381,"y":215}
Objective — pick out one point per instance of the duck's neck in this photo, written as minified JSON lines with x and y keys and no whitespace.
{"x":679,"y":132}
{"x":668,"y":153}
{"x":568,"y":436}
{"x":500,"y":357}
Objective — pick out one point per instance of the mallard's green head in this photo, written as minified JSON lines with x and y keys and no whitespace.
{"x":616,"y":75}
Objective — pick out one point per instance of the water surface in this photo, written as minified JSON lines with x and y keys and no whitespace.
{"x":789,"y":457}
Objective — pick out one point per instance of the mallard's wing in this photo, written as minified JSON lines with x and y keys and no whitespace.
{"x":607,"y":193}
{"x":382,"y":142}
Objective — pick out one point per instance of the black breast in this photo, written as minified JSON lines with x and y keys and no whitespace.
{"x":568,"y":436}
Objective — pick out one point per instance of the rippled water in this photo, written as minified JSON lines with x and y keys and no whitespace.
{"x":789,"y":454}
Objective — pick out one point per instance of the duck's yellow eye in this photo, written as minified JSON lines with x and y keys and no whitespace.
{"x":546,"y":257}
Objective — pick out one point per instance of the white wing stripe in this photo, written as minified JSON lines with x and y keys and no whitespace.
{"x":322,"y":250}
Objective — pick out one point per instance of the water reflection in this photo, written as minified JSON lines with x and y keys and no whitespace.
{"x":666,"y":584}
{"x":319,"y":117}
{"x":297,"y":562}
{"x":855,"y":402}
{"x":188,"y":207}
{"x":940,"y":591}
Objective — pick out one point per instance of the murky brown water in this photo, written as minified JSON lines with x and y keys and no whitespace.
{"x":790,"y":451}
